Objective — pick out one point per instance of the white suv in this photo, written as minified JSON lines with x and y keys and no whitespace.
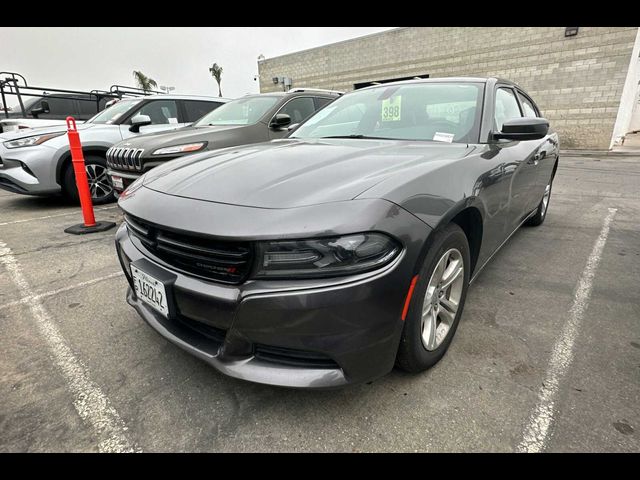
{"x":38,"y":161}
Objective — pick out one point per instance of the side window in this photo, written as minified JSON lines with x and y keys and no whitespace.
{"x":506,"y":107}
{"x":88,"y":107}
{"x":160,"y":111}
{"x":195,"y":109}
{"x":321,"y":102}
{"x":59,"y":107}
{"x":527,"y":106}
{"x":299,"y":109}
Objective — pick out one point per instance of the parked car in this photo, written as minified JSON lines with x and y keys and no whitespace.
{"x":250,"y":119}
{"x":325,"y":258}
{"x":50,"y":110}
{"x":38,"y":161}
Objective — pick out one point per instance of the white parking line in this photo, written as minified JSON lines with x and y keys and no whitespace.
{"x":12,"y":222}
{"x":537,"y":430}
{"x":51,"y":293}
{"x":89,"y":401}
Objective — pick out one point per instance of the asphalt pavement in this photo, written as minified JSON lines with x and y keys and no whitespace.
{"x":546,"y":358}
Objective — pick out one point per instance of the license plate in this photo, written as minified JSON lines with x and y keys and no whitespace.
{"x":117,"y":183}
{"x":150,"y":290}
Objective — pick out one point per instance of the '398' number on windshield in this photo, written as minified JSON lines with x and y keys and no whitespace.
{"x":391,"y":109}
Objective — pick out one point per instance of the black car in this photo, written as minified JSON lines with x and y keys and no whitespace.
{"x":330,"y":256}
{"x":250,"y":119}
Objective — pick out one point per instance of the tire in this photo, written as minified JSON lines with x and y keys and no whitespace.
{"x":101,"y":191}
{"x":415,"y":353}
{"x":543,"y":206}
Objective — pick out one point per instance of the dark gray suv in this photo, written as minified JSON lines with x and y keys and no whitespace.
{"x":250,"y":119}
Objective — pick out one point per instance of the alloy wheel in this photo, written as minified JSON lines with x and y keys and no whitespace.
{"x":545,"y":199}
{"x":99,"y":182}
{"x":442,"y":299}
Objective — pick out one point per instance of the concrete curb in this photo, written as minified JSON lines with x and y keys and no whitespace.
{"x":598,"y":153}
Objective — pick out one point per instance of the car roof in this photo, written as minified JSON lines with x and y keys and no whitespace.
{"x":315,"y":92}
{"x":446,"y":80}
{"x":180,"y":97}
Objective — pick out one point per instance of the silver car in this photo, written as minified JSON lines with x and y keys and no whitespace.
{"x":38,"y":161}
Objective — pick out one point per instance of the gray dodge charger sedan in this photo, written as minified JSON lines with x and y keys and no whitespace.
{"x":330,"y":256}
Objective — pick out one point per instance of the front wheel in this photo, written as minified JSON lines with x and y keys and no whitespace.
{"x":438,"y":301}
{"x":100,"y":185}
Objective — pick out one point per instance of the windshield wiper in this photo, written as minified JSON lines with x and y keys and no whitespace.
{"x":359,"y":136}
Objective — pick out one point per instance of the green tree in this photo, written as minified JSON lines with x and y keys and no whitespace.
{"x":144,"y":82}
{"x":216,"y":72}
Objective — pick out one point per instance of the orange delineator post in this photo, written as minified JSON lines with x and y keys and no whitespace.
{"x":77,"y":158}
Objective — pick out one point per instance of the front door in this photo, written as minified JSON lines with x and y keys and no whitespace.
{"x":518,"y":158}
{"x":163,"y":114}
{"x":299,"y":109}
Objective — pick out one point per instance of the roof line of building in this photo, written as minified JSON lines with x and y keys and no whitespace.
{"x":335,"y":43}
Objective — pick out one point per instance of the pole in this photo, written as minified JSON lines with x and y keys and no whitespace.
{"x":77,"y":159}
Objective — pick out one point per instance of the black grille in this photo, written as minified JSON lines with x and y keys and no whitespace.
{"x":125,"y":158}
{"x":228,"y":262}
{"x":294,"y":358}
{"x":211,"y":332}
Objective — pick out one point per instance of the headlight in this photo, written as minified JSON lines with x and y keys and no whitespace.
{"x":189,"y":147}
{"x":326,"y":257}
{"x":30,"y":141}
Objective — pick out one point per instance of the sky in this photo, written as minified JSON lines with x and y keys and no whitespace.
{"x":87,"y":58}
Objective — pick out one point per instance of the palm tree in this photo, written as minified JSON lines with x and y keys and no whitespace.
{"x":216,"y":72}
{"x":144,"y":82}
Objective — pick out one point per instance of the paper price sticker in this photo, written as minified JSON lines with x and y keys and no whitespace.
{"x":443,"y":137}
{"x":391,"y":109}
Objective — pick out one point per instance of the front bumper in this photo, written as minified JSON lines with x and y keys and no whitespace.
{"x":127,"y":179}
{"x":28,"y":170}
{"x":325,"y":333}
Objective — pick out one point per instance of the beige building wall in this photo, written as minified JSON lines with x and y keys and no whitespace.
{"x":576,"y":81}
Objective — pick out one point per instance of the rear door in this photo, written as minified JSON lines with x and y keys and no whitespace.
{"x":322,"y":101}
{"x":87,"y":107}
{"x":193,"y":110}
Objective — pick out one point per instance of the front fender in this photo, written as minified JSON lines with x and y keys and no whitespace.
{"x":63,"y":155}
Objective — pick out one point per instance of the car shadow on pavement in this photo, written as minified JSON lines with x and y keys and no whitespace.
{"x":33,"y":204}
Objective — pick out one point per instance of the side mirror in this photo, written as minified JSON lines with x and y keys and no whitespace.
{"x":139,"y":121}
{"x":293,"y":126}
{"x":43,"y":108}
{"x":280,"y":121}
{"x":529,"y":128}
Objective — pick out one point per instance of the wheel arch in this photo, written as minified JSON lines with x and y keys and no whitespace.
{"x":65,"y":160}
{"x":469,"y":215}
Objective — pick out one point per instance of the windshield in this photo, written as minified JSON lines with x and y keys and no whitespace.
{"x":445,"y":112}
{"x":243,"y":111}
{"x":114,"y":112}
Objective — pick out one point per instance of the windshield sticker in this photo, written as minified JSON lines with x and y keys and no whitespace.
{"x":443,"y":137}
{"x":391,"y":109}
{"x":172,"y":120}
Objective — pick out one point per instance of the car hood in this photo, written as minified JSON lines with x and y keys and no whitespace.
{"x":29,"y":132}
{"x":153,"y":141}
{"x":294,"y":173}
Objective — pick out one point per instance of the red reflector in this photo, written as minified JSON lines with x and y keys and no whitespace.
{"x":409,"y":294}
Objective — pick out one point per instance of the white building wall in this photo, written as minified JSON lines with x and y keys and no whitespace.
{"x":629,"y":98}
